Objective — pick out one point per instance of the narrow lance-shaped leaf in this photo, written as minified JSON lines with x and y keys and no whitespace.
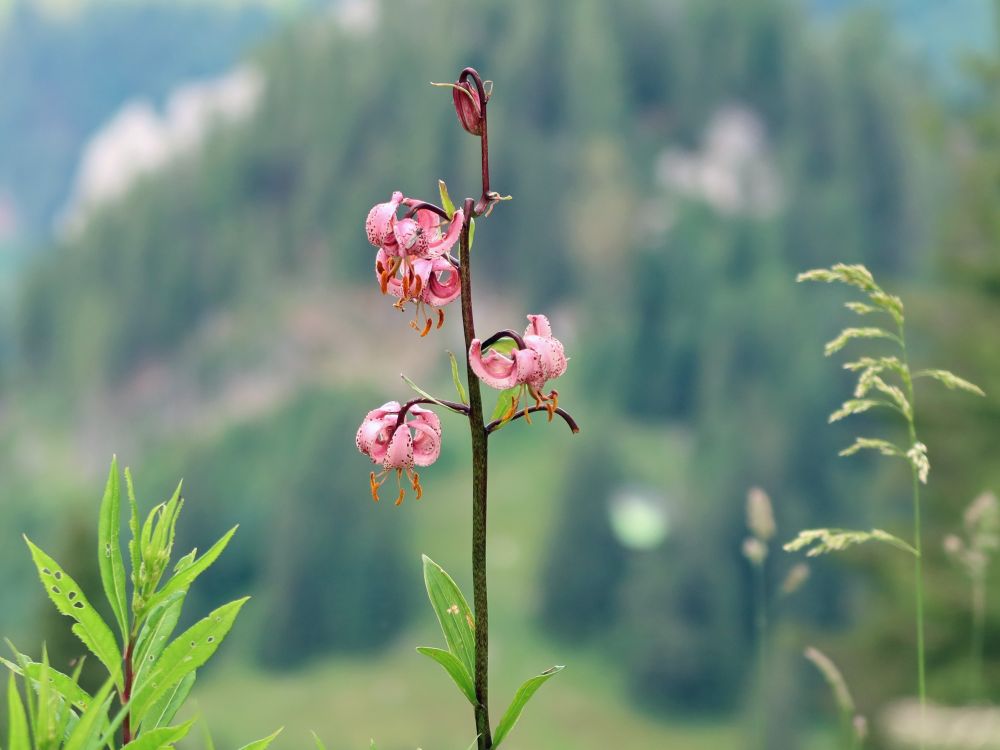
{"x":422,"y":392}
{"x":263,"y":743}
{"x":521,"y":698}
{"x":823,"y":541}
{"x":70,"y":601}
{"x":455,"y":669}
{"x":133,"y":525}
{"x":457,"y":379}
{"x":183,"y":578}
{"x":63,"y":684}
{"x":453,"y":613}
{"x":190,"y":650}
{"x":446,"y":202}
{"x":155,"y":634}
{"x":17,"y":723}
{"x":109,"y":551}
{"x":163,"y":711}
{"x":89,"y":729}
{"x":160,"y":738}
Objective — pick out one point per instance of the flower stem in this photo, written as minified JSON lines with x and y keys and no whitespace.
{"x":480,"y":462}
{"x":918,"y":565}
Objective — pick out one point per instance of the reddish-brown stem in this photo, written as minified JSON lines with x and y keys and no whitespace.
{"x":427,"y":207}
{"x":508,"y":334}
{"x":127,"y":691}
{"x":453,"y":405}
{"x":567,"y":417}
{"x":480,"y":463}
{"x":484,"y":144}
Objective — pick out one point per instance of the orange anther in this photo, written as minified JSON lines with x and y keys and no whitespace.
{"x":399,"y":500}
{"x":440,"y":317}
{"x":427,"y":328}
{"x":418,"y":287}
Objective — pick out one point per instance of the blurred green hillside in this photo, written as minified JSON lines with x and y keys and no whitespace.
{"x":673,"y":166}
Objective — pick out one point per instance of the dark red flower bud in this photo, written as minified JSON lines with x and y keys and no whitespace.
{"x":470,"y":113}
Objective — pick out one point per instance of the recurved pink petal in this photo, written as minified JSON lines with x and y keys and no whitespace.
{"x":425,"y":417}
{"x":538,"y":325}
{"x":494,"y":369}
{"x":529,"y":368}
{"x":443,"y":284}
{"x":379,"y":224}
{"x":440,"y":246}
{"x":399,"y":454}
{"x":426,"y":443}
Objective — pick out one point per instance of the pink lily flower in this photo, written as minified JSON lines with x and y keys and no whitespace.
{"x":419,"y":237}
{"x":399,"y":445}
{"x":538,"y":358}
{"x":427,"y":282}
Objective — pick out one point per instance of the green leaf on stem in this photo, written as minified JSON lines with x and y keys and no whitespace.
{"x":109,"y":552}
{"x":417,"y":389}
{"x":472,"y":232}
{"x":824,"y":541}
{"x":504,"y":346}
{"x":184,"y":577}
{"x":454,"y":667}
{"x":446,"y":203}
{"x":17,"y":722}
{"x":89,"y":627}
{"x":189,"y":651}
{"x":506,"y":404}
{"x":521,"y":698}
{"x":63,"y":684}
{"x":86,"y":735}
{"x":163,"y":711}
{"x":453,"y":613}
{"x":156,"y":631}
{"x":457,"y":380}
{"x":163,"y":737}
{"x":264,"y":743}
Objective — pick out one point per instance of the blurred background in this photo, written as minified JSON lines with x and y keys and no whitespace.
{"x":184,"y":281}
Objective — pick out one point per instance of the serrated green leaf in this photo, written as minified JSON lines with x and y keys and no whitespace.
{"x":446,"y":203}
{"x":262,"y":744}
{"x":189,"y":651}
{"x":109,"y":551}
{"x":882,"y":446}
{"x":182,"y":579}
{"x":17,"y":723}
{"x":90,"y":628}
{"x":849,"y":334}
{"x":505,"y":400}
{"x":154,"y":739}
{"x":823,"y":541}
{"x":455,"y":669}
{"x":86,"y":735}
{"x":64,"y":685}
{"x":133,"y":543}
{"x":453,"y":613}
{"x":521,"y":698}
{"x":950,"y":380}
{"x":457,"y":379}
{"x":155,"y":634}
{"x":163,"y":711}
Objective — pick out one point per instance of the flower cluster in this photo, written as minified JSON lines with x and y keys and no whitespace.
{"x":414,"y":263}
{"x":387,"y":437}
{"x":536,"y":358}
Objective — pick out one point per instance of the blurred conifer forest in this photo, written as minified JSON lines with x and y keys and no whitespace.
{"x":673,"y":165}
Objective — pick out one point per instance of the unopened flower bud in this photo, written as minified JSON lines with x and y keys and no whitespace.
{"x":468,"y":108}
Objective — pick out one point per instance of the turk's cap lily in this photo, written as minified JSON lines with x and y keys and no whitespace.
{"x":399,"y":444}
{"x":539,"y":359}
{"x":427,"y":282}
{"x":418,"y":236}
